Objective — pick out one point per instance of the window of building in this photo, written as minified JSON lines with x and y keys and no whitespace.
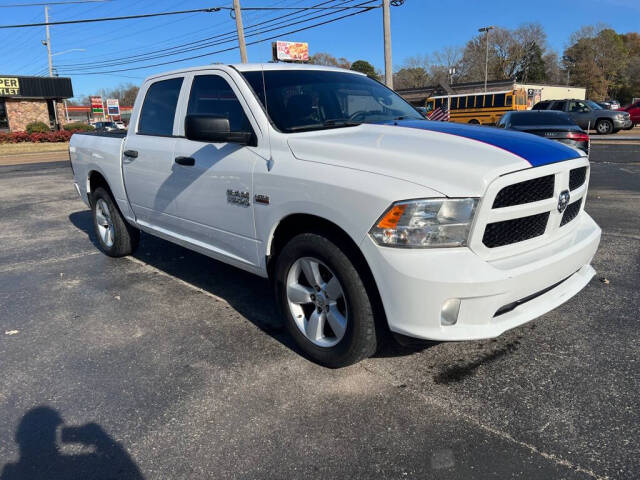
{"x":159,"y":108}
{"x":4,"y":120}
{"x":51,"y":109}
{"x":212,"y":95}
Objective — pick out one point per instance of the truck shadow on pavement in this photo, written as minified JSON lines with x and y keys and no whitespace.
{"x":251,"y":296}
{"x":40,"y":457}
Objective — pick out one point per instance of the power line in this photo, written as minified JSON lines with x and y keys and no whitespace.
{"x":109,"y":19}
{"x":15,"y":5}
{"x":229,"y":48}
{"x":199,"y":45}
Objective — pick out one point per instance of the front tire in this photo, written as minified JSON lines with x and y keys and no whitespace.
{"x":115,"y":236}
{"x":324,"y":302}
{"x":604,"y":127}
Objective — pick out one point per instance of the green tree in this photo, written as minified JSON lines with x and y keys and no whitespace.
{"x":532,"y":66}
{"x":365,"y":67}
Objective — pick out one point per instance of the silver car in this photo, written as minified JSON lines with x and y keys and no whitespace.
{"x":587,"y":114}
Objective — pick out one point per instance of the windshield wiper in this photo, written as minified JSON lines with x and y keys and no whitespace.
{"x":325,"y":125}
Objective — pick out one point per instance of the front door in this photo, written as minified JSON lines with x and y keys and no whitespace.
{"x":148,"y":157}
{"x":581,"y":114}
{"x":215,"y":201}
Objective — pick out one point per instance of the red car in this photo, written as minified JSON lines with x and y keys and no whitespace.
{"x":634,"y":112}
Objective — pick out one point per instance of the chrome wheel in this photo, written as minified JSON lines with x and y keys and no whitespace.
{"x":316,"y":301}
{"x":604,"y":127}
{"x":104,"y":223}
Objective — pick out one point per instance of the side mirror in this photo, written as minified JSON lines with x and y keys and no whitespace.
{"x":212,"y":128}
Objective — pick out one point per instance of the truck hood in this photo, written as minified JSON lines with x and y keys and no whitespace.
{"x":453,"y":159}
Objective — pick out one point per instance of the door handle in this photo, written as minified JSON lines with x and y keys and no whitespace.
{"x":186,"y":161}
{"x":131,"y":153}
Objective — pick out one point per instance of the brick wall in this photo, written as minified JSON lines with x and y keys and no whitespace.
{"x":22,"y":112}
{"x":62,"y":118}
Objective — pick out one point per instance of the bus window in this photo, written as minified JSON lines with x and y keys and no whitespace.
{"x":478,"y":101}
{"x":462,"y":102}
{"x":498,"y":100}
{"x":509,"y":100}
{"x":453,"y":104}
{"x":487,"y":101}
{"x":438,"y":102}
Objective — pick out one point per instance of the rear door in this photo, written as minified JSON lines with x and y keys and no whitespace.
{"x":148,"y":165}
{"x":215,"y":202}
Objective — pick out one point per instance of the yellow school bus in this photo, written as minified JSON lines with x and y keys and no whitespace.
{"x":479,"y":108}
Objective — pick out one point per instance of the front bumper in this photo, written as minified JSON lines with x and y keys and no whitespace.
{"x":619,"y":124}
{"x":414,"y":284}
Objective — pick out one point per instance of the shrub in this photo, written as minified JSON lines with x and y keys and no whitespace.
{"x":78,"y":127}
{"x":37,"y":137}
{"x":37,"y":127}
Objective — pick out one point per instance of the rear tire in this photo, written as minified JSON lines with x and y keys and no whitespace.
{"x":115,"y":236}
{"x":473,"y":121}
{"x":330,"y":315}
{"x":604,"y":127}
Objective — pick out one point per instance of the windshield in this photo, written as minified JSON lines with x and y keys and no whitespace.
{"x":302,"y":100}
{"x":593,"y":105}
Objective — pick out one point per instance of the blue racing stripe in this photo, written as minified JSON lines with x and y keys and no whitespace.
{"x":536,"y":150}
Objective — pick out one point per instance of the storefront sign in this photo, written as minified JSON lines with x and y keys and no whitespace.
{"x":291,"y":51}
{"x":9,"y":86}
{"x":96,"y":105}
{"x":113,"y":107}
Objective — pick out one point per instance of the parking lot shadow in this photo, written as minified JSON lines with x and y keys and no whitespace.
{"x":40,"y":455}
{"x":248,"y":294}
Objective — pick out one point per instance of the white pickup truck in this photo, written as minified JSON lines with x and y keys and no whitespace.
{"x":366,"y":216}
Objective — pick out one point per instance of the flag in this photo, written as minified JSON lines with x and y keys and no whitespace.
{"x":440,"y":114}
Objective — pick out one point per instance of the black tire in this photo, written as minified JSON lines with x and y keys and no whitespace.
{"x":473,"y":121}
{"x":360,"y":339}
{"x":604,"y":126}
{"x":125,"y":236}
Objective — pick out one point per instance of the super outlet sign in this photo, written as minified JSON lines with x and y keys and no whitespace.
{"x":9,"y":86}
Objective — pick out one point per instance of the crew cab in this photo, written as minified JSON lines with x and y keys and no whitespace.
{"x":366,"y":216}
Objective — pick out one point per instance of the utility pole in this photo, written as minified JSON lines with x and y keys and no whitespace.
{"x":240,"y":28}
{"x":48,"y":41}
{"x":386,"y":23}
{"x":486,"y":58}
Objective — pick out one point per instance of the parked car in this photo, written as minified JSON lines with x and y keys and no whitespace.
{"x":634,"y":112}
{"x":106,"y":126}
{"x":423,"y":111}
{"x":365,"y":216}
{"x":548,"y":124}
{"x":588,"y":114}
{"x":606,"y":105}
{"x":121,"y":125}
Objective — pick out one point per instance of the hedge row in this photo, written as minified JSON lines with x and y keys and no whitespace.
{"x":46,"y":137}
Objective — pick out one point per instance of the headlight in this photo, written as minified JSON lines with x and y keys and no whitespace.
{"x":438,"y":222}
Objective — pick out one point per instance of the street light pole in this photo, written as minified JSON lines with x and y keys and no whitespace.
{"x":386,"y":24}
{"x":48,"y":41}
{"x":240,"y":29}
{"x":486,"y":58}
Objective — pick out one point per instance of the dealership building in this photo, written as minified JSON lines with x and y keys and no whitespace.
{"x":32,"y":99}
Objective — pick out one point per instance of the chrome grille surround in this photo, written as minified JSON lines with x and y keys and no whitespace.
{"x":486,"y":214}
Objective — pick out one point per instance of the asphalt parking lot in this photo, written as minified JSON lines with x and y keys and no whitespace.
{"x":171,"y":365}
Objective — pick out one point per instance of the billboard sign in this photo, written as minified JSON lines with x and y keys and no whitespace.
{"x":291,"y":51}
{"x":96,"y":105}
{"x":113,"y":107}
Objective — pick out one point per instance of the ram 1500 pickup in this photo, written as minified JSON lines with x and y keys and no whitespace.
{"x":366,"y":216}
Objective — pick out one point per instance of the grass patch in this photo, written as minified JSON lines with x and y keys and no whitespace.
{"x":19,"y":148}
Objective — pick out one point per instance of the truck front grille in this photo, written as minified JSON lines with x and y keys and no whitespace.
{"x":571,"y":212}
{"x":499,"y":234}
{"x":522,"y":207}
{"x":525,"y":192}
